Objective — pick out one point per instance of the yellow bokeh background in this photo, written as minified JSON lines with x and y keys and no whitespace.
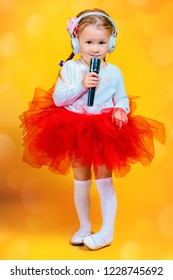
{"x":37,"y":214}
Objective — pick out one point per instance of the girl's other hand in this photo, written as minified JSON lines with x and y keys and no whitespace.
{"x":119,"y":117}
{"x":90,"y":80}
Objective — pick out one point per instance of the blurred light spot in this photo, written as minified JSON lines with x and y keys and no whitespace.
{"x":171,"y":132}
{"x":7,"y":148}
{"x":8,"y":45}
{"x":165,"y":221}
{"x":8,"y":4}
{"x":36,"y":75}
{"x":18,"y":250}
{"x":160,"y":151}
{"x":33,"y":224}
{"x":170,"y":89}
{"x":32,"y":197}
{"x":81,"y":5}
{"x":10,"y":110}
{"x":14,"y":179}
{"x":4,"y":232}
{"x":143,"y":226}
{"x":138,"y":2}
{"x":131,"y":250}
{"x":151,"y":25}
{"x":169,"y":256}
{"x":161,"y":50}
{"x":166,"y":14}
{"x":36,"y":25}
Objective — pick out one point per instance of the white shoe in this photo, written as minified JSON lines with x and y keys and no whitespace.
{"x":77,"y":238}
{"x":92,"y":244}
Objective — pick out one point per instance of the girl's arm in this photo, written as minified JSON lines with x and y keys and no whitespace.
{"x":121,"y":99}
{"x":68,"y":87}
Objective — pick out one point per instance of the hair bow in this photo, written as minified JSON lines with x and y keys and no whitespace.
{"x":69,"y":25}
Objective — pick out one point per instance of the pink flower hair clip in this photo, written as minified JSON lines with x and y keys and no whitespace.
{"x":69,"y":25}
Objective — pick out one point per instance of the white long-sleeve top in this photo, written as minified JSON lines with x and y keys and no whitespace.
{"x":70,"y":93}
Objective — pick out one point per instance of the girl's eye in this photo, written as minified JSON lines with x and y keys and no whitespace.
{"x":102,"y":43}
{"x":89,"y":42}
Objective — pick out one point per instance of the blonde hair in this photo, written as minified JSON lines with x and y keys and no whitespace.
{"x":97,"y":20}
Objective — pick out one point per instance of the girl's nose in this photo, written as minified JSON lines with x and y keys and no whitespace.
{"x":95,"y":48}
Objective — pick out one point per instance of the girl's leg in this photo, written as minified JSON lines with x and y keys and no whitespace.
{"x":108,"y":206}
{"x":81,"y":173}
{"x":82,"y":185}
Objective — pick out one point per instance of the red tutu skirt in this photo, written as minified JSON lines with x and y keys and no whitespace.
{"x":55,"y":137}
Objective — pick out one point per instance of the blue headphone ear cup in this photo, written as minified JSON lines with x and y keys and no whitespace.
{"x":112,"y":43}
{"x":75,"y":45}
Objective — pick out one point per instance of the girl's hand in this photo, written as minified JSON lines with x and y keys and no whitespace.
{"x":90,"y":80}
{"x":119,"y":117}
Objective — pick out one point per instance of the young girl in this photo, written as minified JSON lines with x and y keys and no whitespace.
{"x":62,"y":131}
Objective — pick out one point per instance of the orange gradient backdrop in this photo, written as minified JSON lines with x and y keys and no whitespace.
{"x":37,"y":215}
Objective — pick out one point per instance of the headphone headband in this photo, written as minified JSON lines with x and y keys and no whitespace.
{"x":90,"y":14}
{"x":74,"y":38}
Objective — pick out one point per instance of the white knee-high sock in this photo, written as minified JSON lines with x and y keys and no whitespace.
{"x":82,"y":204}
{"x":108,"y":203}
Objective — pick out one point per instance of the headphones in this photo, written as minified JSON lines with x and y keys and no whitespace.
{"x":75,"y":41}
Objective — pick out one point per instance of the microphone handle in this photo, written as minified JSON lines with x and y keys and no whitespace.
{"x":91,"y":95}
{"x":94,"y":67}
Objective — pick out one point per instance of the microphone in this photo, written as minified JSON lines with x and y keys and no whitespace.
{"x":94,"y":67}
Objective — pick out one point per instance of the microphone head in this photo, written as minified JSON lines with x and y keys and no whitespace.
{"x":94,"y":65}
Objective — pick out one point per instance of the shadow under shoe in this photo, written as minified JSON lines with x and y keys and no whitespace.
{"x":77,"y":238}
{"x":93,"y":244}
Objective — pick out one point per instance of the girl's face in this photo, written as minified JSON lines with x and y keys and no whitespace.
{"x":94,"y":42}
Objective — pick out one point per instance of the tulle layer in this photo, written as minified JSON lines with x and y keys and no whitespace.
{"x":58,"y":138}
